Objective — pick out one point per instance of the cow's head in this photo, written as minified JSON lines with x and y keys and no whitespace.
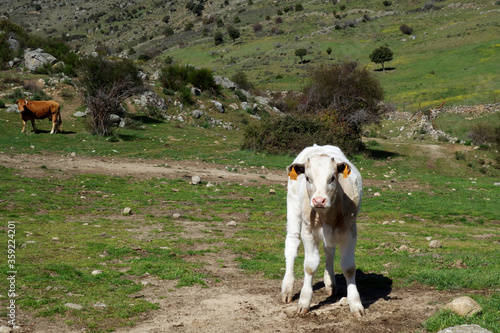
{"x":21,"y":103}
{"x":322,"y":174}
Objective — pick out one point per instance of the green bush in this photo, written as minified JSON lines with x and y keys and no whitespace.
{"x":174,"y":77}
{"x":2,"y":103}
{"x":185,"y":95}
{"x":292,"y":133}
{"x":483,"y":133}
{"x":241,"y":79}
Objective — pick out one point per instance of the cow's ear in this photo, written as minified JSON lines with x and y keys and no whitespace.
{"x":25,"y":102}
{"x":344,"y":169}
{"x":295,"y":170}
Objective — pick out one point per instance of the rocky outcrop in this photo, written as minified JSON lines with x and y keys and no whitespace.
{"x":34,"y":59}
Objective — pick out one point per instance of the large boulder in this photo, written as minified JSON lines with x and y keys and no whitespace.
{"x":225,"y":83}
{"x":37,"y":58}
{"x":151,"y":98}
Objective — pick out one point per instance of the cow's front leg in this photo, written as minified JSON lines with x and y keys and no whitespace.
{"x":348,"y":266}
{"x":329,"y":276}
{"x":24,"y":127}
{"x":53,"y":128}
{"x":292,"y":243}
{"x":310,"y":239}
{"x":329,"y":248}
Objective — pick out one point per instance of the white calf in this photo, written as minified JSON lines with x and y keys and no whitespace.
{"x":323,"y":201}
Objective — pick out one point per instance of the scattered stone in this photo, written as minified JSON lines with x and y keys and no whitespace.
{"x":127,"y":211}
{"x":434,"y":244}
{"x":55,"y":239}
{"x":73,"y":154}
{"x":195,"y":180}
{"x":272,"y":191}
{"x":463,"y":306}
{"x":195,"y":91}
{"x":12,"y":109}
{"x":465,"y":329}
{"x":197,"y":114}
{"x":176,"y":215}
{"x":100,"y":305}
{"x":219,"y":106}
{"x":96,"y":272}
{"x":145,"y":283}
{"x":376,"y":194}
{"x":80,"y":114}
{"x":225,"y":82}
{"x":231,"y":224}
{"x":5,"y":329}
{"x":73,"y":306}
{"x":404,"y":248}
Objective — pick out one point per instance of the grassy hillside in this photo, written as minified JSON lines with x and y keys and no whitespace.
{"x":452,"y":54}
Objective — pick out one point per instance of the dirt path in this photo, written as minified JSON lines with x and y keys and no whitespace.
{"x":239,"y":302}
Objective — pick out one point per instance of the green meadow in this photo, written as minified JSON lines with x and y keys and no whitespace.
{"x":69,"y":225}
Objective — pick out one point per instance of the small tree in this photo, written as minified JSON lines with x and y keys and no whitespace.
{"x":329,"y":51}
{"x":407,"y":30}
{"x":233,"y":33}
{"x":381,"y":55}
{"x":104,"y":85}
{"x":300,"y":53}
{"x":218,"y":38}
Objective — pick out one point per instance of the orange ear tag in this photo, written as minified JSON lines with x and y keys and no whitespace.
{"x":347,"y":171}
{"x":293,"y":174}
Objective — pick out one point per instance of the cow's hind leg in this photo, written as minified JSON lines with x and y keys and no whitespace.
{"x":292,"y":243}
{"x":310,"y":239}
{"x":33,"y":125}
{"x":348,"y":266}
{"x":54,"y":123}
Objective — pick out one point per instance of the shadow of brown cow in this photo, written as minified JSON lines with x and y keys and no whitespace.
{"x":31,"y":110}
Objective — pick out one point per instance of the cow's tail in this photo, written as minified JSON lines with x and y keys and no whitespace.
{"x":59,"y":121}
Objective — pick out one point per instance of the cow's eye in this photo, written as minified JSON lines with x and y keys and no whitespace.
{"x":308,"y":180}
{"x":332,"y":179}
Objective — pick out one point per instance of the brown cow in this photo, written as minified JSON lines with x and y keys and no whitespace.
{"x":31,"y":110}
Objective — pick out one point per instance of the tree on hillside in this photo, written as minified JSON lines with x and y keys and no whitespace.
{"x":233,"y":33}
{"x":381,"y":55}
{"x":301,"y":53}
{"x":329,"y":51}
{"x":218,"y":38}
{"x":104,"y":85}
{"x":331,"y":110}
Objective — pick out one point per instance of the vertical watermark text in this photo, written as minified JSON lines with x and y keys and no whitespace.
{"x":11,"y":272}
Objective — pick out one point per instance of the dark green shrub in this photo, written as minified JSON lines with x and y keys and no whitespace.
{"x":331,"y":110}
{"x":483,"y":133}
{"x":2,"y":103}
{"x":460,"y":155}
{"x":241,"y":96}
{"x":185,"y":96}
{"x":175,"y":76}
{"x":407,"y":30}
{"x":292,"y":133}
{"x":218,"y":38}
{"x":241,"y":79}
